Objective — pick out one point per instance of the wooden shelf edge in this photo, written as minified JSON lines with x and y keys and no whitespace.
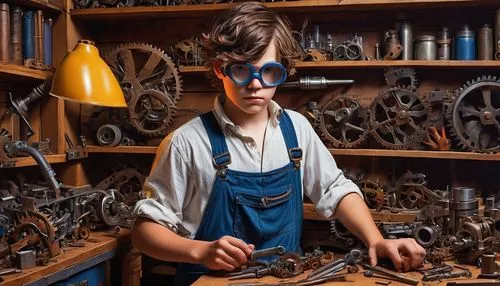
{"x":38,"y":4}
{"x":450,"y":155}
{"x":122,"y":149}
{"x":302,"y":6}
{"x":383,"y":216}
{"x":372,"y":64}
{"x":28,"y":161}
{"x":17,"y":70}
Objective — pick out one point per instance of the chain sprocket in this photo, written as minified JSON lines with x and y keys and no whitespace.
{"x":151,"y":84}
{"x":473,"y":114}
{"x":401,"y":77}
{"x":398,"y":119}
{"x":343,"y":122}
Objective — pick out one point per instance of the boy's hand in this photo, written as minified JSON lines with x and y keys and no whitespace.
{"x":226,"y":253}
{"x":405,"y":253}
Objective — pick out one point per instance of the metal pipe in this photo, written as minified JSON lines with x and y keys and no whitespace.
{"x":315,"y":82}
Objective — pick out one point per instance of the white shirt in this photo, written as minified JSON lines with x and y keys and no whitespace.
{"x":183,"y":175}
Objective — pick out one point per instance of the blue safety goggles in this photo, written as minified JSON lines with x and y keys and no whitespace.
{"x":270,"y":74}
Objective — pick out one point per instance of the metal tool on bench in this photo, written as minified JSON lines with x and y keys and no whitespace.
{"x":394,"y":276}
{"x":354,"y":257}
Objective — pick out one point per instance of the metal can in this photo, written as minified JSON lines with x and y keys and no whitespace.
{"x":485,"y":43}
{"x":465,"y":44}
{"x":425,"y":47}
{"x":406,"y":38}
{"x":4,"y":32}
{"x":444,"y":44}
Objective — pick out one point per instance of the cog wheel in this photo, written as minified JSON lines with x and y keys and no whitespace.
{"x":151,"y":84}
{"x":31,"y":228}
{"x":373,"y":194}
{"x":473,"y":115}
{"x":187,"y":52}
{"x":398,"y":119}
{"x":128,"y":183}
{"x":343,"y":122}
{"x":401,"y":77}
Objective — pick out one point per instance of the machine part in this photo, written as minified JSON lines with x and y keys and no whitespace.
{"x":373,"y":194}
{"x":425,"y":48}
{"x":4,"y":32}
{"x":406,"y":36}
{"x":354,"y":49}
{"x":401,"y":78}
{"x":437,"y":141}
{"x":426,"y":235}
{"x":315,"y":55}
{"x":485,"y":43}
{"x":75,"y":152}
{"x":409,"y":192}
{"x":278,"y":250}
{"x":392,"y":45}
{"x":398,"y":119}
{"x":108,"y":211}
{"x":25,"y":259}
{"x":109,"y":135}
{"x":378,"y":52}
{"x":20,"y":105}
{"x":315,"y":83}
{"x":187,"y":52}
{"x":439,"y":269}
{"x":489,"y":264}
{"x":16,"y":36}
{"x":343,"y":122}
{"x":473,"y":114}
{"x":441,"y":276}
{"x":437,"y":256}
{"x":398,"y":277}
{"x":14,"y":148}
{"x":473,"y":238}
{"x":434,"y":101}
{"x":497,"y":35}
{"x":128,"y":184}
{"x":444,"y":44}
{"x":352,"y":258}
{"x":151,"y":84}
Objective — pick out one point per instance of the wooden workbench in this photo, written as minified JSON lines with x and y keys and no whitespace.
{"x":101,"y":247}
{"x":351,"y":279}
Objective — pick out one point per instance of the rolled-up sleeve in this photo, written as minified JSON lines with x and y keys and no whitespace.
{"x":324,"y":183}
{"x":166,"y":187}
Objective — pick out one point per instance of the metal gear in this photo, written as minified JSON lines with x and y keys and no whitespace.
{"x":31,"y":228}
{"x":401,"y":77}
{"x":398,"y":119}
{"x":187,"y":52}
{"x":343,"y":122}
{"x":151,"y":84}
{"x":373,"y":194}
{"x":473,"y":114}
{"x":128,"y":183}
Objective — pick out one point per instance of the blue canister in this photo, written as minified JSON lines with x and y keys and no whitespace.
{"x":465,"y":44}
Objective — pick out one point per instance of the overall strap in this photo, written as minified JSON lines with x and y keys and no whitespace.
{"x":220,"y":154}
{"x":294,"y":152}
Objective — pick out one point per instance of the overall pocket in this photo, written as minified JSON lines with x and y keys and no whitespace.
{"x":262,"y":217}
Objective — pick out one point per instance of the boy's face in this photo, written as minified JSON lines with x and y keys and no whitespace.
{"x":253,"y":97}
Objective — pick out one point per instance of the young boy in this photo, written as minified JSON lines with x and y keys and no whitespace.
{"x":232,"y":180}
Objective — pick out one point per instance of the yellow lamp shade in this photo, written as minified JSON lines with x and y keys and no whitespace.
{"x":84,"y":77}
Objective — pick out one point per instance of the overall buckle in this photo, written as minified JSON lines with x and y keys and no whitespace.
{"x":220,"y":162}
{"x":295,"y":155}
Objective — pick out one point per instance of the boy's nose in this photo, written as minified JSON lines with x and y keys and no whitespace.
{"x":255,"y":84}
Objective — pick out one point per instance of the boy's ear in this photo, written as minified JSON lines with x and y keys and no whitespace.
{"x":217,"y":66}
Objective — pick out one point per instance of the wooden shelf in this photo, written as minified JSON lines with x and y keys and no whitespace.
{"x":416,"y":154}
{"x":452,"y":155}
{"x":46,"y":5}
{"x":11,"y":70}
{"x":122,"y":149}
{"x":371,"y":64}
{"x":28,"y":161}
{"x":302,"y":6}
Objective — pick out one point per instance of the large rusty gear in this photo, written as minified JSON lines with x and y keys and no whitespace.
{"x":473,"y":115}
{"x":398,"y":119}
{"x":401,"y":77}
{"x":151,"y":84}
{"x":31,"y":228}
{"x":343,"y":122}
{"x":187,"y":52}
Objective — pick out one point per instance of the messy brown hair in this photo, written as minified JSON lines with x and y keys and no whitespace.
{"x":243,"y":34}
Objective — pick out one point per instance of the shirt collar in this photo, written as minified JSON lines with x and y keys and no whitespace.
{"x":274,"y":110}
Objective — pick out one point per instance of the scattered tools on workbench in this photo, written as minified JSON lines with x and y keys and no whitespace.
{"x":394,"y":276}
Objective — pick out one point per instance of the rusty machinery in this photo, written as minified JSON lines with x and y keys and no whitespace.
{"x":151,"y":84}
{"x":473,"y":114}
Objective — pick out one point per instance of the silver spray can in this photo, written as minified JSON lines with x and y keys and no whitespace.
{"x":425,"y":47}
{"x":406,"y":39}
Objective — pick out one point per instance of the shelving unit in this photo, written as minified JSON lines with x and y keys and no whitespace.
{"x":12,"y":71}
{"x":28,"y":161}
{"x":47,"y":6}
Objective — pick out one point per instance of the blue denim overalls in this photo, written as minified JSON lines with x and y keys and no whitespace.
{"x":264,"y":209}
